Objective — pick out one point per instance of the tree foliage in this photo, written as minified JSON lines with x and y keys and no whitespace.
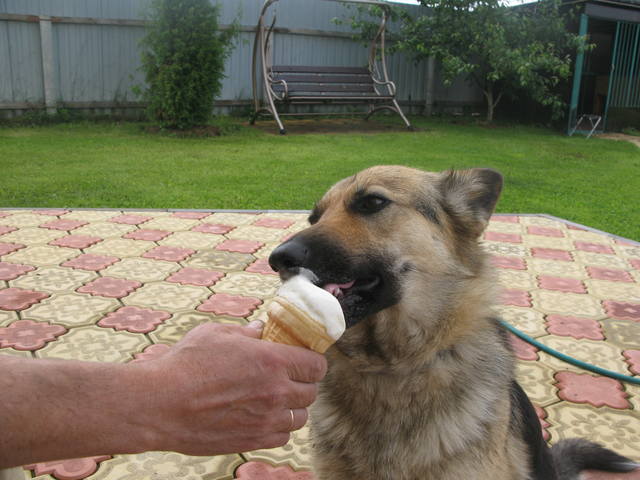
{"x":504,"y":50}
{"x":183,"y":61}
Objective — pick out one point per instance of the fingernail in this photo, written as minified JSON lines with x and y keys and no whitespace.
{"x":257,"y":324}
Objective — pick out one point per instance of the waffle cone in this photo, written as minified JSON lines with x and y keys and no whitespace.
{"x":289,"y":325}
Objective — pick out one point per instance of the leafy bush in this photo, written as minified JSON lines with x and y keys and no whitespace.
{"x":183,"y":61}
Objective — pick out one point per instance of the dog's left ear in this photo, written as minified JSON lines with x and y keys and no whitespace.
{"x":469,"y":198}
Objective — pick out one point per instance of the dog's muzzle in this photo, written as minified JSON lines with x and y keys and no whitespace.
{"x":361,"y":283}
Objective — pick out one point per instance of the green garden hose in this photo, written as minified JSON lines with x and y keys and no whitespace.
{"x":568,"y":359}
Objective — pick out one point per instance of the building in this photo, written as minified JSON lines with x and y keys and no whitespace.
{"x":606,"y":81}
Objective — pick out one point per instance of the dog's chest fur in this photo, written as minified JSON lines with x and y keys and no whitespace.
{"x":408,"y":422}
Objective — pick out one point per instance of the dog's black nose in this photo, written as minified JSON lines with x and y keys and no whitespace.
{"x":291,"y":254}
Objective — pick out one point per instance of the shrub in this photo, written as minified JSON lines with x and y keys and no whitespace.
{"x":183,"y":61}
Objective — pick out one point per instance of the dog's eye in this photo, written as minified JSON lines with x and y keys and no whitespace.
{"x":369,"y":204}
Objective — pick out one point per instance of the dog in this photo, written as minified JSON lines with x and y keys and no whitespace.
{"x":421,"y":386}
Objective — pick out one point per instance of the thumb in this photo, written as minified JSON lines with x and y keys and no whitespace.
{"x":254,"y":329}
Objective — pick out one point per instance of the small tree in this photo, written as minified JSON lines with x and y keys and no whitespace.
{"x":501,"y":49}
{"x":183,"y":61}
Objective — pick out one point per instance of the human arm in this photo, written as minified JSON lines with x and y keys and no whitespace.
{"x":219,"y":390}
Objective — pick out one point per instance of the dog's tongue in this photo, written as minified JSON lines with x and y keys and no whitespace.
{"x":335,"y":289}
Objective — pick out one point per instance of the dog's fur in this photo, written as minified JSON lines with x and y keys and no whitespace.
{"x":421,"y":385}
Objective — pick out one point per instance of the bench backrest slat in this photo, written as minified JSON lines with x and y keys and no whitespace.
{"x":316,"y":69}
{"x":328,"y":88}
{"x":322,"y":78}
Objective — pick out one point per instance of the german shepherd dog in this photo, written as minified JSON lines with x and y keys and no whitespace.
{"x":421,"y":385}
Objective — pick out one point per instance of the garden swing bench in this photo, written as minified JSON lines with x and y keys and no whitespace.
{"x":285,"y":85}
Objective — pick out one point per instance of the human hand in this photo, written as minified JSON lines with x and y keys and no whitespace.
{"x":223,"y":390}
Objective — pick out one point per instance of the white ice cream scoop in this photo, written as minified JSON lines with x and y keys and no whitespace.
{"x":318,"y":303}
{"x":303,"y":314}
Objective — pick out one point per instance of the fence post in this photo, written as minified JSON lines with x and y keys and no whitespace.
{"x":577,"y":77}
{"x":429,"y":97}
{"x":48,"y":65}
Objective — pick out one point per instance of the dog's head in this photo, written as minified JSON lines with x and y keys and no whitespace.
{"x":390,"y":234}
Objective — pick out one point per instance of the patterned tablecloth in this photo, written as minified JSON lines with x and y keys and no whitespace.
{"x":119,"y":286}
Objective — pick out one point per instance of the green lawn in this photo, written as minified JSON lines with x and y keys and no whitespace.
{"x":594,"y":182}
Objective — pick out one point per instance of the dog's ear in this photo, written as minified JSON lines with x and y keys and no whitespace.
{"x":469,"y":198}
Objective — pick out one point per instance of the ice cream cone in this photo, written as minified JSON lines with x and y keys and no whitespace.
{"x":289,"y":325}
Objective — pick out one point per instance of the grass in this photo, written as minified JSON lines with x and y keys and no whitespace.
{"x":631,"y":131}
{"x":593,"y":182}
